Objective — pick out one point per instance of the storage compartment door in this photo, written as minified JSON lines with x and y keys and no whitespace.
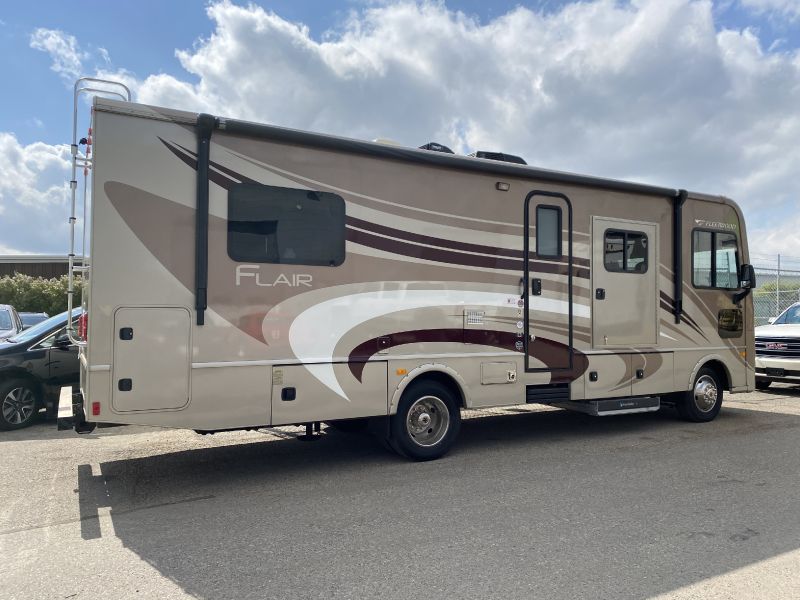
{"x":152,"y":349}
{"x":652,"y":373}
{"x":608,"y":376}
{"x":325,"y":392}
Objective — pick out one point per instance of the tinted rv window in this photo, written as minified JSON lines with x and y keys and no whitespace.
{"x":625,"y":251}
{"x":548,"y":231}
{"x":715,"y":259}
{"x":269,"y":224}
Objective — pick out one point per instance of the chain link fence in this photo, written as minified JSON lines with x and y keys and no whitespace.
{"x":778,"y":285}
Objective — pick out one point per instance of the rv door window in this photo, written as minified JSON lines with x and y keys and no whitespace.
{"x":625,"y":251}
{"x":270,"y":224}
{"x":715,"y":259}
{"x":548,"y":231}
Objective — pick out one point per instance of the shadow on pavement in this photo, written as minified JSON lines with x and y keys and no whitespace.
{"x":555,"y":503}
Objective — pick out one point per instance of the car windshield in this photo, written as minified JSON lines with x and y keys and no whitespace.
{"x":791,"y":316}
{"x":5,"y":320}
{"x":44,"y":327}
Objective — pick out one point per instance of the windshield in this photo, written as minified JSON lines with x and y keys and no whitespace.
{"x":43,"y":327}
{"x":5,"y":320}
{"x":791,"y":316}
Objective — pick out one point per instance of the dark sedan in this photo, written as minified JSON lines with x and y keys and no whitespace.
{"x":34,"y":365}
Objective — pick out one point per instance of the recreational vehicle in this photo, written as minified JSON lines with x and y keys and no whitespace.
{"x":242,"y":275}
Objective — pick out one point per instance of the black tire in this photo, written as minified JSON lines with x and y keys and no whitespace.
{"x":762,"y":384}
{"x":703,"y":402}
{"x":427,"y":422}
{"x":19,"y":404}
{"x":349,"y":425}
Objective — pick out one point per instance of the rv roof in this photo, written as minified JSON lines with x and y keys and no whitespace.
{"x":319,"y":140}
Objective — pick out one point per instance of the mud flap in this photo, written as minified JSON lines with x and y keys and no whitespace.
{"x":70,"y":412}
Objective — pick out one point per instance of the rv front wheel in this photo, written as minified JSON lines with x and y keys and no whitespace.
{"x":427,"y":421}
{"x":703,"y":402}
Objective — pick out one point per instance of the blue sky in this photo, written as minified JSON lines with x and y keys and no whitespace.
{"x":730,"y":74}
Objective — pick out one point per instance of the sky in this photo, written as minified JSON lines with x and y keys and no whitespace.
{"x":695,"y":94}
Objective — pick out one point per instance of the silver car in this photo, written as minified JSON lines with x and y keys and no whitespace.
{"x":10,"y":323}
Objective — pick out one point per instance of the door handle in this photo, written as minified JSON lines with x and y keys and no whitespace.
{"x":600,"y":294}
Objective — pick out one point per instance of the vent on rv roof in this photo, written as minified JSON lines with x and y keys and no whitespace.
{"x":499,"y":156}
{"x":436,"y":147}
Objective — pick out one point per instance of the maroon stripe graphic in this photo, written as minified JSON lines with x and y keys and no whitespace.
{"x":454,"y":245}
{"x":551,"y":353}
{"x":456,"y":258}
{"x":667,"y":298}
{"x":667,"y":304}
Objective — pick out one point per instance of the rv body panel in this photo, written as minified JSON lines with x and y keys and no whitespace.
{"x":433,"y":270}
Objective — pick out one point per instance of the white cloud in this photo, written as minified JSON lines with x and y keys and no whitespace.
{"x":787,"y":8}
{"x":63,"y":49}
{"x":33,"y":196}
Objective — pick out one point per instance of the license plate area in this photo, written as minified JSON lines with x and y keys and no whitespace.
{"x":776,"y":372}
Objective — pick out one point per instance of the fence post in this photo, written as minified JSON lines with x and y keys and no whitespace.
{"x":778,"y":289}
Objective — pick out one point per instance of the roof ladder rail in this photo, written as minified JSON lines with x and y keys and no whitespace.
{"x":83,"y":86}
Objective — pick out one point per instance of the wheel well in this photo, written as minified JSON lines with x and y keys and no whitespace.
{"x":444,"y":379}
{"x":721,"y":372}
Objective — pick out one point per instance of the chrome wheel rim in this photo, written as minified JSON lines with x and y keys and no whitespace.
{"x":428,"y":421}
{"x":705,"y":393}
{"x":18,"y":405}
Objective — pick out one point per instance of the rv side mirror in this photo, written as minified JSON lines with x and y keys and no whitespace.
{"x":747,"y":277}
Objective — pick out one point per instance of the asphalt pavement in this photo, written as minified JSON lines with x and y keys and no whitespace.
{"x":532,"y":503}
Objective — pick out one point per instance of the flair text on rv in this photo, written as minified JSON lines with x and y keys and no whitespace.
{"x":254,"y":272}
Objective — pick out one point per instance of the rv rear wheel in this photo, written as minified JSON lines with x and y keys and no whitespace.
{"x":19,"y":404}
{"x":427,"y":421}
{"x":703,"y":402}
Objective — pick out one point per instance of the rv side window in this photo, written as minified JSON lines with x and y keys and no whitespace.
{"x":269,"y":224}
{"x":715,"y":259}
{"x":625,"y":251}
{"x":548,"y":231}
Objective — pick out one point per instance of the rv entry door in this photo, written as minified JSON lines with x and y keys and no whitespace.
{"x":547,"y":279}
{"x":624,"y":283}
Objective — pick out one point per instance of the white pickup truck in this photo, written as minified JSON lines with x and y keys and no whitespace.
{"x":778,"y":349}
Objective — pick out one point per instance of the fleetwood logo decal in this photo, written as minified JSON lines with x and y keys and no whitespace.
{"x":254,"y":271}
{"x":716,"y":224}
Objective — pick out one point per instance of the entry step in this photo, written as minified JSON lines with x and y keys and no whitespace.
{"x":547,"y":394}
{"x":614,"y":406}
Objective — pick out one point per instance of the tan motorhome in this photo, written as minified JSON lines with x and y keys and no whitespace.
{"x":244,"y":275}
